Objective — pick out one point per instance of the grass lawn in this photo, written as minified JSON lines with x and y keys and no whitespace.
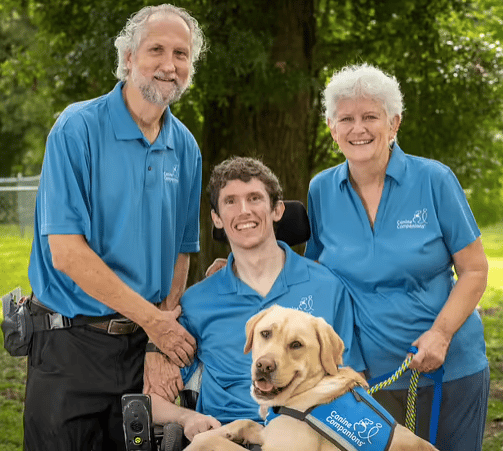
{"x":14,"y":256}
{"x":492,"y":238}
{"x":492,"y":316}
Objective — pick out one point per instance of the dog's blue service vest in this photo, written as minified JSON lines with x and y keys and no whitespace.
{"x":352,"y":422}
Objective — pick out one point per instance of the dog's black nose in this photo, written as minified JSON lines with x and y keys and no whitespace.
{"x":266,"y":365}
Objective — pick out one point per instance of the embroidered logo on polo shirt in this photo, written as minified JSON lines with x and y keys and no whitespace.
{"x":172,"y":176}
{"x":306,"y":304}
{"x":418,"y":221}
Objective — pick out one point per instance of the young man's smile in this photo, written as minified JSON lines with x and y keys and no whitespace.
{"x":245,"y":213}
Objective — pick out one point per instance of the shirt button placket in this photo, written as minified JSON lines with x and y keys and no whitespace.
{"x":150,"y":172}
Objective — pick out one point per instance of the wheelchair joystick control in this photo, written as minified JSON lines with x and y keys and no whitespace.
{"x":137,"y":422}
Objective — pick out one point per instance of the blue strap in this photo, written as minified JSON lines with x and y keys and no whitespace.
{"x":437,"y":377}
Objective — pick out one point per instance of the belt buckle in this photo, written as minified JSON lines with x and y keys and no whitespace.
{"x":121,"y":326}
{"x":57,"y":321}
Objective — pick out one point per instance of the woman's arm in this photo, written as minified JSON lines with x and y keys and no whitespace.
{"x":470,"y":264}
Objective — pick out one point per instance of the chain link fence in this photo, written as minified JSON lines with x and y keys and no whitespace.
{"x":17,"y":201}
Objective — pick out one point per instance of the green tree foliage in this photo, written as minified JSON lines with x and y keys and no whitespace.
{"x":449,"y":72}
{"x":258,"y":90}
{"x":258,"y":86}
{"x":25,"y":111}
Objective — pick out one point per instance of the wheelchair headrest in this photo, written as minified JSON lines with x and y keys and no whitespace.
{"x":293,"y":228}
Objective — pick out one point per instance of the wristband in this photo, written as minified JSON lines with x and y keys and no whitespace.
{"x":151,"y":347}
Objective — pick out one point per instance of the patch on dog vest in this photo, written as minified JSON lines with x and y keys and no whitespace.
{"x":353,"y":422}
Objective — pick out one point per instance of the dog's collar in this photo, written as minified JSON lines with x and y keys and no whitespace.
{"x":353,"y":422}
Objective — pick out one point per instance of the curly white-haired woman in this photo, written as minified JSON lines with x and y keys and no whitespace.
{"x":394,"y":226}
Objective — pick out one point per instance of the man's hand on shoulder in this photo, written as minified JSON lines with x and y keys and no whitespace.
{"x":218,"y":264}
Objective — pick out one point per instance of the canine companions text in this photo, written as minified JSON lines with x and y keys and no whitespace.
{"x":296,"y":360}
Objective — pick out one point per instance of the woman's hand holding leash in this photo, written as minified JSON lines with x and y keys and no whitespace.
{"x":432,"y":349}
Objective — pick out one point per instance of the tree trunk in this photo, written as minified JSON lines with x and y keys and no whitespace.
{"x":275,"y":128}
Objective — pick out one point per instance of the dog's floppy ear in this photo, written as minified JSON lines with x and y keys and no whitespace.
{"x":250,"y":328}
{"x":331,"y":346}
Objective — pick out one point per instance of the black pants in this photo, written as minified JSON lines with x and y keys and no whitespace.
{"x":76,"y":378}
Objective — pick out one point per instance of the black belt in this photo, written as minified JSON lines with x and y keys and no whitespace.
{"x":47,"y":319}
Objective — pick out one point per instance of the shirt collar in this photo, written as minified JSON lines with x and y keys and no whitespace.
{"x":294,"y":271}
{"x":395,"y":168}
{"x":396,"y":165}
{"x":125,"y":128}
{"x":342,"y":176}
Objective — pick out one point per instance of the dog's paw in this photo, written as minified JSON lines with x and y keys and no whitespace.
{"x":352,"y":378}
{"x":243,"y":432}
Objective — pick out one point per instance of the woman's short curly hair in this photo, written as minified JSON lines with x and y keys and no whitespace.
{"x":130,"y":37}
{"x":366,"y":81}
{"x":244,"y":169}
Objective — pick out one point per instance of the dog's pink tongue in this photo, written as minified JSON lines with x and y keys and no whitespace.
{"x":264,"y":385}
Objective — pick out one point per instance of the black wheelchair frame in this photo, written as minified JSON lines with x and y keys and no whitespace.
{"x":139,"y":430}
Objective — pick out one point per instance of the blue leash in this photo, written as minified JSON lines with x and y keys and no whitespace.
{"x":437,"y":377}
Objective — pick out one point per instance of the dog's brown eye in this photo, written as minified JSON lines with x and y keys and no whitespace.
{"x":265,"y":333}
{"x":295,"y":345}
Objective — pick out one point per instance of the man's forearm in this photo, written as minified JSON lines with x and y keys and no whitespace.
{"x":73,"y":256}
{"x":164,"y":411}
{"x":192,"y":422}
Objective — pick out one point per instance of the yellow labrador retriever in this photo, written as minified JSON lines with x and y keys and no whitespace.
{"x":296,"y":360}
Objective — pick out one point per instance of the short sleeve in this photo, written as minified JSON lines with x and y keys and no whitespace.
{"x":344,"y":326}
{"x":456,"y":219}
{"x":313,"y":245}
{"x":190,"y":241}
{"x":64,"y":185}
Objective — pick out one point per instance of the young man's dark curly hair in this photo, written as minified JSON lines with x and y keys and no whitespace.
{"x":244,"y":169}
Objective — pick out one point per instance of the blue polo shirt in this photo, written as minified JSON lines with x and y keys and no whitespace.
{"x":136,"y":203}
{"x":215,"y":312}
{"x":400,"y":272}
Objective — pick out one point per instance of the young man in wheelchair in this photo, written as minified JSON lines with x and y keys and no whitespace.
{"x":246,"y":201}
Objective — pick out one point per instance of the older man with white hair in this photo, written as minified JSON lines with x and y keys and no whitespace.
{"x":117,"y":215}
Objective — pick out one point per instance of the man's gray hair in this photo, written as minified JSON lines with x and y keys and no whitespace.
{"x":129,"y":39}
{"x":365,"y":81}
